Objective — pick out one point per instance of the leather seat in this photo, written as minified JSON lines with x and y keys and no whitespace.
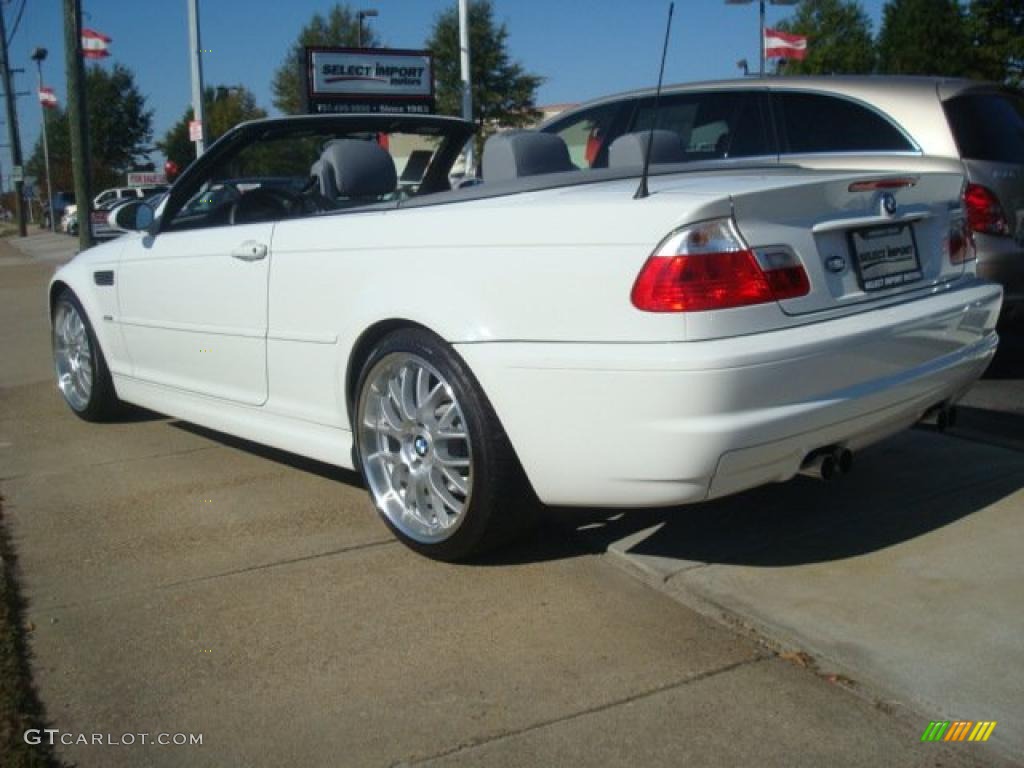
{"x":517,"y":154}
{"x":355,"y":171}
{"x":628,"y":150}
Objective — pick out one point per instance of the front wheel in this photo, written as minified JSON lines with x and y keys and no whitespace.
{"x":438,"y":466}
{"x":82,"y":374}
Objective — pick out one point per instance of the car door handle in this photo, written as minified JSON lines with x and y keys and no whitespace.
{"x":250,"y":250}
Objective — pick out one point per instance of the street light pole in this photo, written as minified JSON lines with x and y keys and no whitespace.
{"x":369,"y":13}
{"x":38,"y":55}
{"x":197,"y":73}
{"x":467,"y":92}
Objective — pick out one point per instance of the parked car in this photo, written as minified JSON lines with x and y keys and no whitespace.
{"x":110,"y":197}
{"x":57,"y":206}
{"x":885,"y":123}
{"x":69,"y":221}
{"x":546,"y":332}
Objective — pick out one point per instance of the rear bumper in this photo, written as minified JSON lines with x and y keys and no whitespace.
{"x":661,"y":424}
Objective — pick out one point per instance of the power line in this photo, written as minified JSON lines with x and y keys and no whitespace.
{"x":17,"y":21}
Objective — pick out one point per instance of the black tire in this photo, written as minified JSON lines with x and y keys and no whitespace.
{"x":501,"y":506}
{"x":102,"y":403}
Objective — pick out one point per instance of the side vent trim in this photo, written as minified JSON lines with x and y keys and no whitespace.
{"x":104,"y":277}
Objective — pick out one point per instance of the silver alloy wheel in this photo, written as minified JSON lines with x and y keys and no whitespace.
{"x":415,"y":448}
{"x":72,"y":355}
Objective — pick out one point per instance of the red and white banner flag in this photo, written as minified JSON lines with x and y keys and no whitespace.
{"x":783,"y":45}
{"x":47,"y":97}
{"x":95,"y":45}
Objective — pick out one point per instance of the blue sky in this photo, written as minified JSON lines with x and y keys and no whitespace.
{"x":583,"y":48}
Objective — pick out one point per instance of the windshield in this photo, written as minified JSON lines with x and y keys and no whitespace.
{"x":305,"y":169}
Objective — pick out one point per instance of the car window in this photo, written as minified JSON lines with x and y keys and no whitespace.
{"x":711,"y":125}
{"x":106,"y":197}
{"x":988,"y":126}
{"x":588,"y":134}
{"x":291,"y":176}
{"x":811,"y":123}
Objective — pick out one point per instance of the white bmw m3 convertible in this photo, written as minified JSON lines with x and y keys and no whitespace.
{"x":314,"y":283}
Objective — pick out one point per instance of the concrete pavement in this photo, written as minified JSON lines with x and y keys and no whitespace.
{"x":905,"y":575}
{"x":183,"y":582}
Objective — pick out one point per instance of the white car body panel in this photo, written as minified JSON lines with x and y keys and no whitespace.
{"x":193,"y":315}
{"x":657,"y":424}
{"x":604,"y":404}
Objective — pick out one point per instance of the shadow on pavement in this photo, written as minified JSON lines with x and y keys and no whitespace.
{"x":1009,"y":360}
{"x":796,"y":523}
{"x":312,"y":466}
{"x":886,"y":500}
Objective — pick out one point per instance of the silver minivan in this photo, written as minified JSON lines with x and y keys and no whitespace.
{"x":847,"y":122}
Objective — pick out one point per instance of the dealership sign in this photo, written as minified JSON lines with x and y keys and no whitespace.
{"x":344,"y":80}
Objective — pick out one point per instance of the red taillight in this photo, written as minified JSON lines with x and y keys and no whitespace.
{"x":984,"y":213}
{"x":707,"y":266}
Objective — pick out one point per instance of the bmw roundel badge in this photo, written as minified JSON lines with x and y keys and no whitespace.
{"x":889,"y":204}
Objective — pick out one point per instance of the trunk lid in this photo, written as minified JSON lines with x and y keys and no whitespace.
{"x":863,"y":240}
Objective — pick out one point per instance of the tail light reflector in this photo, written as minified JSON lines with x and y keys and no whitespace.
{"x":876,"y":184}
{"x":961,"y":247}
{"x":708,"y":266}
{"x":984,"y":213}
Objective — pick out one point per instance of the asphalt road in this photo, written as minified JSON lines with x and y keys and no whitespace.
{"x":184,"y":582}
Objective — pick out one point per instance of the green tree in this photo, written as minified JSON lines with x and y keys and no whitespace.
{"x":340,"y":27}
{"x":838,"y":38}
{"x":120,"y":131}
{"x":504,"y":94}
{"x":922,"y":37}
{"x":224,"y":108}
{"x":995,"y":29}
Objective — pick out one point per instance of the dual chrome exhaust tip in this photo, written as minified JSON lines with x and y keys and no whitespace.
{"x":940,"y":417}
{"x":827,"y":463}
{"x":832,"y":461}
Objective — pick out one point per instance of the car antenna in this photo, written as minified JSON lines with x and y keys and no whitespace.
{"x":642,"y":191}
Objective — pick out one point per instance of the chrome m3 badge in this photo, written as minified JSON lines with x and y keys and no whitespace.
{"x":888,"y":204}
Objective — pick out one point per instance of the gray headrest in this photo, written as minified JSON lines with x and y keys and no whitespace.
{"x":355,"y":168}
{"x":515,"y":154}
{"x":628,"y":150}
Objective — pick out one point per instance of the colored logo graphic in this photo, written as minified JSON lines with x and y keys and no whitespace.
{"x":958,"y":730}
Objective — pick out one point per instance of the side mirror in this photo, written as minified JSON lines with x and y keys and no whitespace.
{"x":133,"y":216}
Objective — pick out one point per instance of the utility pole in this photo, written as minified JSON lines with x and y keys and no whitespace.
{"x":78,"y":118}
{"x":467,"y":92}
{"x":197,"y":73}
{"x":38,"y":55}
{"x":18,"y":172}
